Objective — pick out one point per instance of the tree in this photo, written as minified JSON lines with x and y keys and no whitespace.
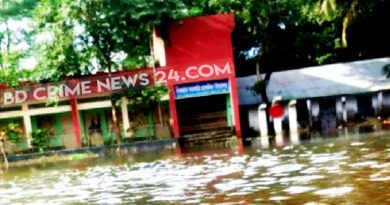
{"x":363,"y":32}
{"x":99,"y":35}
{"x":10,"y":38}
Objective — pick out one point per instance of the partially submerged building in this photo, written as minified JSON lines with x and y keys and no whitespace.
{"x":328,"y":96}
{"x":196,"y":66}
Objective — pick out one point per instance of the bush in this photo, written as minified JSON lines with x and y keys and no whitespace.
{"x":12,"y":132}
{"x":39,"y":140}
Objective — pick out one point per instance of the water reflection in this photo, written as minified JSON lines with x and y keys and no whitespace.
{"x":279,"y":140}
{"x":341,"y":170}
{"x":264,"y":141}
{"x":294,"y":138}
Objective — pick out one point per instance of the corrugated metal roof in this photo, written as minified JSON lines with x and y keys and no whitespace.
{"x":320,"y":81}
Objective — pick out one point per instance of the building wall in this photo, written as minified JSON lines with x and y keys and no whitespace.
{"x":351,"y":107}
{"x":163,"y":128}
{"x":68,"y":135}
{"x":52,"y":126}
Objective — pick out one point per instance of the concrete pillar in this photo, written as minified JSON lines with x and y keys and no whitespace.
{"x":294,"y":138}
{"x":173,"y":109}
{"x":315,"y":109}
{"x":27,"y":123}
{"x":380,"y":103}
{"x":344,"y":108}
{"x":292,"y":116}
{"x":76,"y":122}
{"x":278,"y":131}
{"x":125,"y":117}
{"x":279,"y":140}
{"x":235,"y":105}
{"x":278,"y":126}
{"x":264,"y":141}
{"x":263,"y":127}
{"x":308,"y":104}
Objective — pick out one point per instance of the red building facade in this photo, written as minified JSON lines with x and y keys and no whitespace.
{"x":196,"y":64}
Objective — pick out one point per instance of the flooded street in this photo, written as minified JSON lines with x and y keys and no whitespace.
{"x":344,"y":170}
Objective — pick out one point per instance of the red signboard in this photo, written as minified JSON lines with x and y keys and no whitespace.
{"x":173,"y":75}
{"x":276,"y":111}
{"x":102,"y":84}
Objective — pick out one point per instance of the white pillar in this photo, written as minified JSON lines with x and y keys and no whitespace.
{"x":380,"y":98}
{"x":308,"y":104}
{"x":344,"y":108}
{"x":27,"y":123}
{"x":380,"y":102}
{"x":292,"y":116}
{"x":278,"y":126}
{"x":293,"y":122}
{"x":125,"y":117}
{"x":279,"y":140}
{"x":263,"y":120}
{"x":278,"y":131}
{"x":294,"y":138}
{"x":264,"y":141}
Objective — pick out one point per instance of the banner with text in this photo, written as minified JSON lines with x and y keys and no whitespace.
{"x":103,"y":84}
{"x":201,"y":89}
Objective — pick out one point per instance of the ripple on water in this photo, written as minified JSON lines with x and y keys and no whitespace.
{"x":294,"y":174}
{"x":333,"y":192}
{"x":230,"y":185}
{"x":301,"y":179}
{"x":363,"y":164}
{"x":357,"y":143}
{"x":383,"y":165}
{"x":328,"y":157}
{"x":279,"y":198}
{"x":380,"y":179}
{"x":298,"y":189}
{"x":284,"y":168}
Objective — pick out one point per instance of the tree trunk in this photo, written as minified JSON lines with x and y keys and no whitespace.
{"x":263,"y":92}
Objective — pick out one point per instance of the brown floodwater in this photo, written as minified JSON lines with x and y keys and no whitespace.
{"x":338,"y":170}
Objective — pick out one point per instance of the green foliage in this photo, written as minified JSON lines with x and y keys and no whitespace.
{"x":79,"y":156}
{"x":98,"y":35}
{"x":323,"y":58}
{"x":79,"y":37}
{"x":386,"y":70}
{"x":350,"y":11}
{"x":109,"y":141}
{"x":39,"y":140}
{"x":142,"y":100}
{"x":11,"y":38}
{"x":259,"y":86}
{"x":12,"y":132}
{"x":9,"y":67}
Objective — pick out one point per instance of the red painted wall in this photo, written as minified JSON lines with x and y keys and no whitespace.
{"x":200,"y":40}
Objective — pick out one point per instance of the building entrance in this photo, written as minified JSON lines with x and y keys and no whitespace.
{"x":200,"y":114}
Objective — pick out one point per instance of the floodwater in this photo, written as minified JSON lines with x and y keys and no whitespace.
{"x":342,"y":170}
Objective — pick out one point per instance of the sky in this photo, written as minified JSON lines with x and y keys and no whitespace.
{"x":17,"y":38}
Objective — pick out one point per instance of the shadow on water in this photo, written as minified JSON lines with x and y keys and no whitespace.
{"x":331,"y":170}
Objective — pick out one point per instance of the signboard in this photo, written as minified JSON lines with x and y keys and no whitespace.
{"x":276,"y":111}
{"x":201,"y":89}
{"x":103,"y":84}
{"x":186,"y":74}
